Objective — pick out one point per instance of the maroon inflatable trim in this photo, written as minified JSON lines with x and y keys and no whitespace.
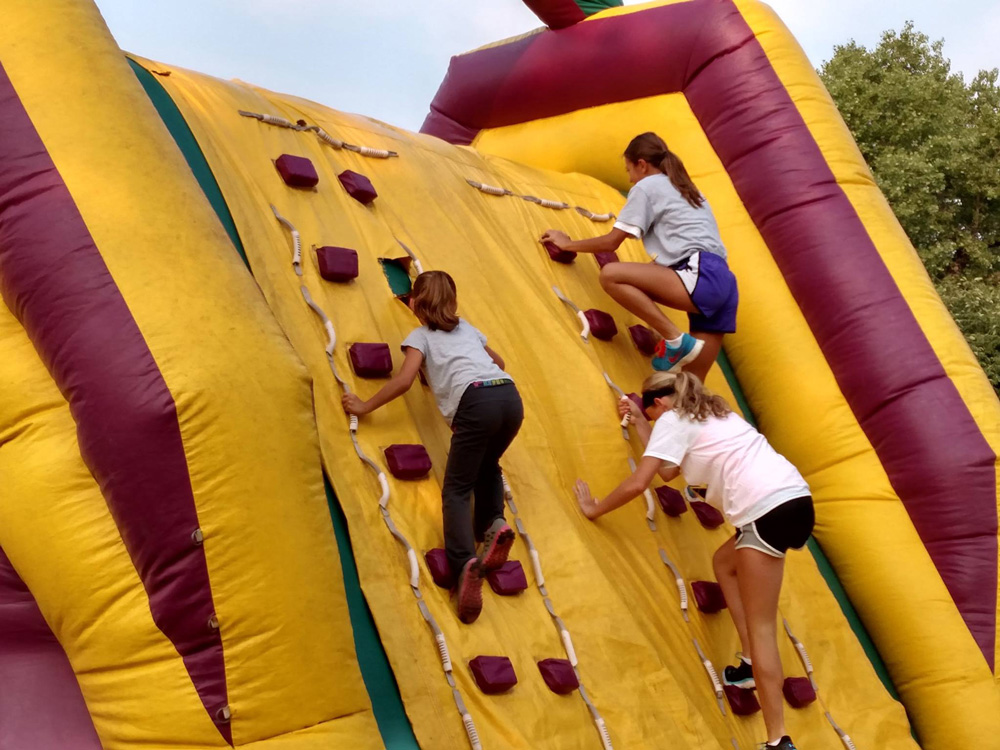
{"x":936,"y":458}
{"x":41,"y":706}
{"x":53,"y":278}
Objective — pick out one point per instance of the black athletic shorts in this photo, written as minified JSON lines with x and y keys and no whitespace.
{"x":786,"y":527}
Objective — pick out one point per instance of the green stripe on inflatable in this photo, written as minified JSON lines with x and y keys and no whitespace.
{"x":590,"y":7}
{"x":189,"y":147}
{"x":397,"y":734}
{"x":825,"y":568}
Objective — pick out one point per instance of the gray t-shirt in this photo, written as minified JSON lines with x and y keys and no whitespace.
{"x":452,"y":360}
{"x":671,"y":229}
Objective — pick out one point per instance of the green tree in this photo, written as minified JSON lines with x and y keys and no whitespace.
{"x":933,"y":143}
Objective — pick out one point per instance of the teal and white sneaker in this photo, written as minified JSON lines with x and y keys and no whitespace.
{"x":785,"y":743}
{"x":669,"y":358}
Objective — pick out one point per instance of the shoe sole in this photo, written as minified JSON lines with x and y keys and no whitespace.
{"x":498,"y":548}
{"x":745,"y":684}
{"x":470,"y":594}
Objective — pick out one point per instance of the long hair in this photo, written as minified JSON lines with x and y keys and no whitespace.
{"x":435,"y":300}
{"x":652,"y":149}
{"x":691,"y":398}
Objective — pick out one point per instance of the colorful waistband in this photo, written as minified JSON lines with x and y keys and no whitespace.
{"x":491,"y":383}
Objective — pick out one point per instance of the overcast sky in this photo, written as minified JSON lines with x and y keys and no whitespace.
{"x":385,"y":58}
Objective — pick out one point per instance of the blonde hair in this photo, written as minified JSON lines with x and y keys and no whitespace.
{"x":691,"y":398}
{"x":435,"y":300}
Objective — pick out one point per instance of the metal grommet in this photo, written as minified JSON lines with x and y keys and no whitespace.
{"x":197,"y":537}
{"x":213,"y":622}
{"x":223,"y":715}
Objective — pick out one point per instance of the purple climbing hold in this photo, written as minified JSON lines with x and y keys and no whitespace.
{"x":559,"y":255}
{"x":508,"y":579}
{"x":437,"y":564}
{"x":604,"y":258}
{"x":358,"y":186}
{"x":559,"y":675}
{"x":371,"y":360}
{"x":644,"y":339}
{"x":296,"y":171}
{"x":741,"y":700}
{"x":708,"y":596}
{"x":798,"y":691}
{"x":671,"y":501}
{"x":408,"y":461}
{"x":493,"y":674}
{"x":602,"y":325}
{"x":337,"y":263}
{"x":710,"y":517}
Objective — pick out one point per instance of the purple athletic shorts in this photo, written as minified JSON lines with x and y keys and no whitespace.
{"x":712,"y":287}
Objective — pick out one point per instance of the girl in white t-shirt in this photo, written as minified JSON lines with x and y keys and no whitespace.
{"x":759,"y":492}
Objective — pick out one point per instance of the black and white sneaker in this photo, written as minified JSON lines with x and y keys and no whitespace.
{"x":741,"y":675}
{"x":784,"y":744}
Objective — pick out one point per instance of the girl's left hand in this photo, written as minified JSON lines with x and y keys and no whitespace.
{"x":588,"y":503}
{"x":557,"y":238}
{"x":354,"y":405}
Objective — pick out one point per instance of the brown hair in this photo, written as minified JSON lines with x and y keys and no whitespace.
{"x":691,"y":398}
{"x":653,"y":150}
{"x":435,"y":300}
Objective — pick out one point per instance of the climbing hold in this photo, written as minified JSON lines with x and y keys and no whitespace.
{"x":197,"y":537}
{"x":671,"y":501}
{"x":559,"y":675}
{"x":408,"y":461}
{"x":358,"y":186}
{"x":337,"y":263}
{"x":644,"y":339}
{"x":223,"y":715}
{"x":604,"y":258}
{"x":296,"y":171}
{"x":371,"y":360}
{"x":602,"y":325}
{"x":508,"y":579}
{"x":708,"y":596}
{"x":493,"y":674}
{"x":798,"y":691}
{"x":558,"y":254}
{"x":437,"y":564}
{"x":637,"y":400}
{"x":741,"y":700}
{"x":710,"y":517}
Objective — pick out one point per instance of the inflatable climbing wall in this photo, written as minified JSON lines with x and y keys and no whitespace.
{"x":169,"y":576}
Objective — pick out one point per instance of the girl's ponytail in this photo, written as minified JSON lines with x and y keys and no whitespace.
{"x":653,"y":150}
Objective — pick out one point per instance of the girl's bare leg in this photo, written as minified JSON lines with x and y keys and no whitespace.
{"x":638,"y":287}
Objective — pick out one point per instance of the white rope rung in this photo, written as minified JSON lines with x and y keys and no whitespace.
{"x":801,"y":649}
{"x":281,"y":122}
{"x":296,"y":241}
{"x":679,"y":580}
{"x":844,"y":737}
{"x":594,"y":217}
{"x":416,"y":261}
{"x":489,"y":189}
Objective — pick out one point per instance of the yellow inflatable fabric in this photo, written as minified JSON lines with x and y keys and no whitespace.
{"x":606,"y":581}
{"x":862,"y":526}
{"x":243,"y":406}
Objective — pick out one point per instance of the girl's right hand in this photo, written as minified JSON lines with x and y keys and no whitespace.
{"x":630,"y":407}
{"x":354,"y":405}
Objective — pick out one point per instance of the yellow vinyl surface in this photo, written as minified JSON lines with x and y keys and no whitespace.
{"x":244,"y":408}
{"x":861,"y":524}
{"x":605,"y":580}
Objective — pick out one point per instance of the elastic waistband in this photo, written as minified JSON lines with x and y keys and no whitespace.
{"x":491,"y":383}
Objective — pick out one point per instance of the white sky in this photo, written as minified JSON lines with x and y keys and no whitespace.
{"x":386,"y":58}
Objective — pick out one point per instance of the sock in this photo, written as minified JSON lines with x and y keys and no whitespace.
{"x":775,"y":743}
{"x":746,"y":659}
{"x":674,"y":343}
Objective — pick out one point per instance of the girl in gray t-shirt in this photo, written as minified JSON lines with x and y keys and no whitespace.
{"x":689,"y":272}
{"x":482,"y":405}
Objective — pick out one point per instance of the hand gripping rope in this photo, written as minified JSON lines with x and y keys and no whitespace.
{"x":556,"y":205}
{"x":564,"y":635}
{"x":296,"y":242}
{"x":585,"y":330}
{"x":281,"y":122}
{"x":807,"y":663}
